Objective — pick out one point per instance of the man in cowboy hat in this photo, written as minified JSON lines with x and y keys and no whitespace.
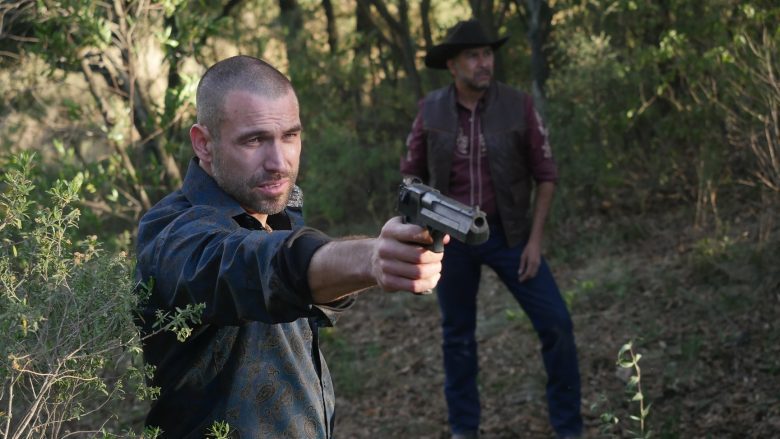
{"x":483,"y":143}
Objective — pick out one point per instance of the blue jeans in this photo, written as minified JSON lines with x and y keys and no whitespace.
{"x":542,"y":302}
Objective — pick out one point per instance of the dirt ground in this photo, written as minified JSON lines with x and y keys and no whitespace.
{"x":702,"y":312}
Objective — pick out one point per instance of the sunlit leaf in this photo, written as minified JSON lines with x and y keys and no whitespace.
{"x":626,"y":347}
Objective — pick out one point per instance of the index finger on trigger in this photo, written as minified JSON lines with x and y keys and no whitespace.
{"x":416,"y":234}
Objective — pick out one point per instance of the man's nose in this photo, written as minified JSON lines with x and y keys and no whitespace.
{"x":274,"y":156}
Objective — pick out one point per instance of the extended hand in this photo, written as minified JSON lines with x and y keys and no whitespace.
{"x":399,"y":260}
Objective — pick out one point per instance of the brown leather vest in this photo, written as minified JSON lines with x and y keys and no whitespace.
{"x":503,"y":126}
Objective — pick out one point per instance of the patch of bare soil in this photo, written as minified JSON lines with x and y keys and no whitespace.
{"x":703,"y":313}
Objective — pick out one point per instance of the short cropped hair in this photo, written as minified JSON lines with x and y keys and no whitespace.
{"x":240,"y":72}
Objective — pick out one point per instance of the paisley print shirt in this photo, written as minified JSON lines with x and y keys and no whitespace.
{"x":253,"y":359}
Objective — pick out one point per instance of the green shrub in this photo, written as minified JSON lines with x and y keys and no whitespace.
{"x":69,"y":351}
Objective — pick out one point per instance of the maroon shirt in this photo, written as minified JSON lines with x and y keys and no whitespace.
{"x":470,"y":181}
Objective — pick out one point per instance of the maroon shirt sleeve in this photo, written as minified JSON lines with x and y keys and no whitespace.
{"x":415,"y":161}
{"x":543,"y":167}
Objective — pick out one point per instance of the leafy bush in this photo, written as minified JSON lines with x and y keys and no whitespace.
{"x":69,"y":349}
{"x":631,"y":111}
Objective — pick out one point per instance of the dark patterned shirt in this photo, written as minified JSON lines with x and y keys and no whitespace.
{"x":253,"y":360}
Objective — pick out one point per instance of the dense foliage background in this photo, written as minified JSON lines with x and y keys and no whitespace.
{"x":664,"y":118}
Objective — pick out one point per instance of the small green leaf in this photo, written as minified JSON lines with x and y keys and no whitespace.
{"x":59,"y":146}
{"x":624,"y":348}
{"x":113,"y":196}
{"x":77,"y":181}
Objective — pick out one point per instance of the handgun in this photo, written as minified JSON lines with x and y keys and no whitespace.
{"x":427,"y":207}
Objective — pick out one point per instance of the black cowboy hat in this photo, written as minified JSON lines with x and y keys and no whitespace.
{"x":463,"y":35}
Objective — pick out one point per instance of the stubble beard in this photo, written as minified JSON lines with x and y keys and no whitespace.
{"x":473,"y":84}
{"x":242,"y":188}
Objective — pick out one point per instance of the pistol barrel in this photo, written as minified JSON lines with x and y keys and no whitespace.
{"x":425,"y":206}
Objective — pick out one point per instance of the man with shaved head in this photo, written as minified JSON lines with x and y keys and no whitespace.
{"x":232,"y":239}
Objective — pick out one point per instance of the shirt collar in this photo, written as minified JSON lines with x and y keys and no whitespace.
{"x":201,"y":189}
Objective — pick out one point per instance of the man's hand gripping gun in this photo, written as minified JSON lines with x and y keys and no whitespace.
{"x":427,"y":207}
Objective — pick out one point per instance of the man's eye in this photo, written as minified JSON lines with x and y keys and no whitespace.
{"x":292,"y":135}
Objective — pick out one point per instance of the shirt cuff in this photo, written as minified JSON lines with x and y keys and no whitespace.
{"x":293,"y":259}
{"x":330,"y":312}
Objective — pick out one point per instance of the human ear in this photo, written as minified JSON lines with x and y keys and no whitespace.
{"x":202,"y":143}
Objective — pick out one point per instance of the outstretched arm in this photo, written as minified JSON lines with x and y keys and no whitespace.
{"x":395,"y":260}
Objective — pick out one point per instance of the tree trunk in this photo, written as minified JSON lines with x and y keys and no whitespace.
{"x":333,"y":37}
{"x":292,"y":20}
{"x":425,"y":12}
{"x":539,"y":23}
{"x":400,"y":40}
